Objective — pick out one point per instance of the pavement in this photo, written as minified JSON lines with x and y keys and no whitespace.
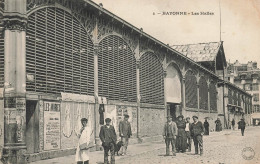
{"x":134,"y":150}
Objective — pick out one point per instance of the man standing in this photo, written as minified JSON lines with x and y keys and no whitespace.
{"x":197,"y":131}
{"x":187,"y":131}
{"x":108,"y":137}
{"x":169,"y":134}
{"x":125,"y":133}
{"x":242,"y":126}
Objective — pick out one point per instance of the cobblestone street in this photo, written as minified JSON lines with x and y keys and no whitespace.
{"x":226,"y":148}
{"x":220,"y":147}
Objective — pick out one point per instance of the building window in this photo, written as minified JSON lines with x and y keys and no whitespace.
{"x":191,"y":96}
{"x":257,"y":108}
{"x":256,"y":97}
{"x":248,"y":87}
{"x":255,"y":87}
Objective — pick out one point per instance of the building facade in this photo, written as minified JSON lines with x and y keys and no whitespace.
{"x":247,"y":77}
{"x":62,"y":60}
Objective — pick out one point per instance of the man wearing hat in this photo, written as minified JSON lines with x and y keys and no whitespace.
{"x":169,"y":134}
{"x":181,"y":141}
{"x":197,"y":131}
{"x":108,"y":137}
{"x":242,"y":126}
{"x":125,"y":133}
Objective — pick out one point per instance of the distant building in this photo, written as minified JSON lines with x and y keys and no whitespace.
{"x":247,"y":77}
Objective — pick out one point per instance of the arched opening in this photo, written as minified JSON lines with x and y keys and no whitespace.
{"x":116,"y":70}
{"x":203,"y":93}
{"x":59,"y":53}
{"x":173,"y":91}
{"x":151,"y":79}
{"x":191,"y":97}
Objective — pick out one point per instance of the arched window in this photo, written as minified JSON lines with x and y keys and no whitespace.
{"x":151,"y":79}
{"x":59,"y":53}
{"x":203,"y":93}
{"x":116,"y":70}
{"x":191,"y":97}
{"x":213,"y":96}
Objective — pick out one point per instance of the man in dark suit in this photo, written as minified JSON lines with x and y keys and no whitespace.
{"x":197,"y":131}
{"x":108,"y":137}
{"x":169,"y":134}
{"x":125,"y":133}
{"x":242,"y":126}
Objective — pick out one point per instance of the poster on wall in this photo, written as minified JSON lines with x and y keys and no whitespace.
{"x":51,"y":125}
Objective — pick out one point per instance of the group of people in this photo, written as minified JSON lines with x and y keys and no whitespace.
{"x":180,"y":135}
{"x":108,"y":138}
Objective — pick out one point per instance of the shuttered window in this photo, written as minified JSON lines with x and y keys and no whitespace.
{"x":203,"y":93}
{"x":59,"y":54}
{"x":191,"y":97}
{"x":151,"y":79}
{"x":213,"y":96}
{"x":116,"y":70}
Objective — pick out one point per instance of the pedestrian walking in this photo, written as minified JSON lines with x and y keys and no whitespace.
{"x":125,"y":133}
{"x":233,"y":124}
{"x":206,"y":126}
{"x":108,"y":137}
{"x":242,"y":126}
{"x":218,"y":125}
{"x":197,"y":131}
{"x":188,"y":135}
{"x":82,"y":151}
{"x":181,"y":141}
{"x":169,"y":134}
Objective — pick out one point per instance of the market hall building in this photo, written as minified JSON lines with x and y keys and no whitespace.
{"x":62,"y":60}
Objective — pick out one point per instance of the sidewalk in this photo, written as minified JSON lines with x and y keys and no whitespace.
{"x":97,"y":157}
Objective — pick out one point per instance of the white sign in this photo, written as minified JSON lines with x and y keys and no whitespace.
{"x":51,"y":125}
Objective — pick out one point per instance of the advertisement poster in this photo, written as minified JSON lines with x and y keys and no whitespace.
{"x":51,"y":125}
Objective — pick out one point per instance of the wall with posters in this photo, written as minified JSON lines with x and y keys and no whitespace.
{"x":52,"y":126}
{"x":116,"y":114}
{"x":71,"y":114}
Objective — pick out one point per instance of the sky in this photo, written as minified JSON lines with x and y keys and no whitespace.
{"x":240,"y":23}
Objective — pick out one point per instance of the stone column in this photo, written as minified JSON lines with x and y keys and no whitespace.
{"x":198,"y":95}
{"x":15,"y":21}
{"x":183,"y":94}
{"x":138,"y":96}
{"x":96,"y":47}
{"x":165,"y":103}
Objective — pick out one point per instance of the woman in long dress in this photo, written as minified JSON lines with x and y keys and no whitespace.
{"x":181,"y":141}
{"x":82,"y":156}
{"x":218,"y":125}
{"x":206,"y":126}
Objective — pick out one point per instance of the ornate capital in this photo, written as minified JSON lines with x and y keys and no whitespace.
{"x":13,"y":21}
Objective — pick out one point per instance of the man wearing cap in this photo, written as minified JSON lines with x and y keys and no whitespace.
{"x":125,"y":133}
{"x":197,"y":131}
{"x":108,"y":137}
{"x":169,"y":134}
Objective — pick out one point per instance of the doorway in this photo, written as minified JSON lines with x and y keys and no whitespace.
{"x":172,"y":110}
{"x":32,"y":127}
